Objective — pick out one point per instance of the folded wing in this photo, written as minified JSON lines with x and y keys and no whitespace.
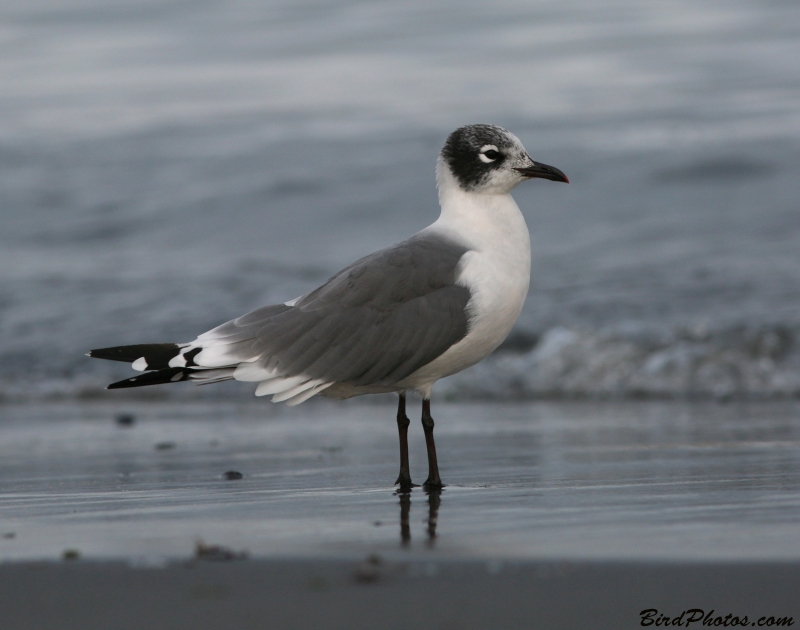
{"x":372,"y":324}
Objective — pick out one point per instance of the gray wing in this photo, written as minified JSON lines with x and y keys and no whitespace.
{"x":374,"y":323}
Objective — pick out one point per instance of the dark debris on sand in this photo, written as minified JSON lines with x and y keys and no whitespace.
{"x":369,"y":571}
{"x":217,"y":553}
{"x":125,"y":419}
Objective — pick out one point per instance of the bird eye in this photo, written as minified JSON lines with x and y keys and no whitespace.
{"x":489,"y":154}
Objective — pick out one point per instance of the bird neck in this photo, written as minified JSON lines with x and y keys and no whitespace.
{"x":479,"y":219}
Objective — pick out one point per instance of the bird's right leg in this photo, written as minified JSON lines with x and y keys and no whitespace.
{"x":404,"y":480}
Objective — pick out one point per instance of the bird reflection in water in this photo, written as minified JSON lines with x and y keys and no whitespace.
{"x":434,"y":501}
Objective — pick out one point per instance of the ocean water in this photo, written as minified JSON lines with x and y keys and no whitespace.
{"x":165,"y":167}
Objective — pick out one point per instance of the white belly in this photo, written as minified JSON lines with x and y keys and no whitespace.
{"x":497,"y":272}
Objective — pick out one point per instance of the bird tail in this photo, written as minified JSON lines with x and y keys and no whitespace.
{"x":153,"y":359}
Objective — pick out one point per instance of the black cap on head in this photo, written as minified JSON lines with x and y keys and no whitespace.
{"x":462,"y":152}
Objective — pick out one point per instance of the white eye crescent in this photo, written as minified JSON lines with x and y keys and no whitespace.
{"x":488,"y":154}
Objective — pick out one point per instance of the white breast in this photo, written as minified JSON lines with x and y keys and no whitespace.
{"x":496,"y":270}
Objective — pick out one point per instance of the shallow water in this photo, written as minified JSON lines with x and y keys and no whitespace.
{"x":164,"y":168}
{"x":634,"y":481}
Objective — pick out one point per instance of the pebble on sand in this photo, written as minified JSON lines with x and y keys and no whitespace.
{"x":125,"y":419}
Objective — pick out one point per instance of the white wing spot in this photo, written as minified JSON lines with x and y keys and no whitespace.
{"x":178,"y":361}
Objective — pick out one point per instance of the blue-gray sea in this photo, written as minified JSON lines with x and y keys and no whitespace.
{"x":167,"y":166}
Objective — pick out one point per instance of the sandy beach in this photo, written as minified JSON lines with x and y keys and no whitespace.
{"x":452,"y":595}
{"x":555,"y":515}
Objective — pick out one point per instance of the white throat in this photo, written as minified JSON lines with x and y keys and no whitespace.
{"x":485,"y":220}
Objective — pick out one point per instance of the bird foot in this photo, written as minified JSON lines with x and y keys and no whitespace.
{"x":433,"y":484}
{"x":405,"y":483}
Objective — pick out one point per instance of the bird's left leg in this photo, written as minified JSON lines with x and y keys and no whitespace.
{"x":433,"y":481}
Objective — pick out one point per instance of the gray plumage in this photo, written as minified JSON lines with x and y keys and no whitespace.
{"x":373,"y":323}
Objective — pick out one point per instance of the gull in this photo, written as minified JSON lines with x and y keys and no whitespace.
{"x":397,"y":320}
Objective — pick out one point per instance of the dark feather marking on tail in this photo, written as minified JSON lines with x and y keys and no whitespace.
{"x":167,"y":375}
{"x":157,"y":355}
{"x":189,"y":356}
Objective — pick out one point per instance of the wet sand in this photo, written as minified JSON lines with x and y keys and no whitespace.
{"x":567,"y":514}
{"x":335,"y":595}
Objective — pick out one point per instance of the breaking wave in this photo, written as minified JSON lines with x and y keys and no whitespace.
{"x":734,"y":363}
{"x":739,"y":362}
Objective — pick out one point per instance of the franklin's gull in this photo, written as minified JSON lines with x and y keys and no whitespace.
{"x":395,"y":321}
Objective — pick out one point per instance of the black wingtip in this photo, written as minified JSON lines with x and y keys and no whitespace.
{"x":158,"y":377}
{"x":128,"y":382}
{"x":158,"y":355}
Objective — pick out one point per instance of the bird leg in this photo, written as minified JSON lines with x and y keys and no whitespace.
{"x":433,"y":480}
{"x":404,"y":480}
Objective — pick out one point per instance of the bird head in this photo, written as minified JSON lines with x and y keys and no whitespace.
{"x":491,"y":160}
